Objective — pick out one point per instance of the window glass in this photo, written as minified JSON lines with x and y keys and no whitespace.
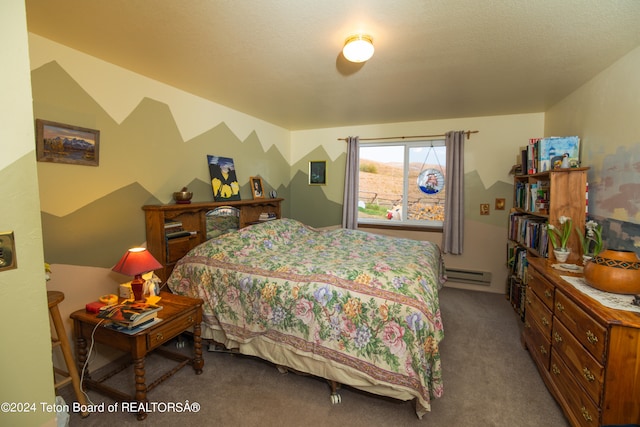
{"x":402,"y":183}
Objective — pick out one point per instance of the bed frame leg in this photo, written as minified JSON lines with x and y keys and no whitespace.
{"x":335,"y":397}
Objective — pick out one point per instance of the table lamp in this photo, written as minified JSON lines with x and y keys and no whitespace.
{"x":135,"y":262}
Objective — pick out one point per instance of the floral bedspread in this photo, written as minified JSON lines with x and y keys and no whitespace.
{"x":354,"y":299}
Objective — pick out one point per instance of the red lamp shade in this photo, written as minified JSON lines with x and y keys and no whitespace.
{"x":135,"y":262}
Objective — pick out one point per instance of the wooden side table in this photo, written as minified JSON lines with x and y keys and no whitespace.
{"x":178,"y":314}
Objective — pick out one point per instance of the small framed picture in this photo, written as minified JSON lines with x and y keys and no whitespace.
{"x":61,"y":143}
{"x":318,"y":172}
{"x":499,"y":204}
{"x":484,"y":209}
{"x":257,"y":189}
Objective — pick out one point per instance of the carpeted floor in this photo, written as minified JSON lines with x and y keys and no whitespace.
{"x":489,"y":380}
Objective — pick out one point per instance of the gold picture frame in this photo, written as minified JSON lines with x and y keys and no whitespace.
{"x":257,"y":188}
{"x":62,"y":143}
{"x":318,"y":172}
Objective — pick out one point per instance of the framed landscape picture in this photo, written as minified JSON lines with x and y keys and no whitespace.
{"x":62,"y":143}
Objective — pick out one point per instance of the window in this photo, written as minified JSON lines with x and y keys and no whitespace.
{"x":402,"y":183}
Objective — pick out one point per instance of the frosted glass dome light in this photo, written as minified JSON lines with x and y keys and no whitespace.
{"x":358,"y":48}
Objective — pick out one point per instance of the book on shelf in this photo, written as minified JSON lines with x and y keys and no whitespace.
{"x":177,"y":234}
{"x":131,"y":315}
{"x":267,"y":216}
{"x":532,"y":155}
{"x":171,"y":226}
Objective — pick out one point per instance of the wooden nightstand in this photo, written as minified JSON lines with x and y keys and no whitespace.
{"x":178,"y":314}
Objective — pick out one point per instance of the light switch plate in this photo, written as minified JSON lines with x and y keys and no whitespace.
{"x":7,"y":251}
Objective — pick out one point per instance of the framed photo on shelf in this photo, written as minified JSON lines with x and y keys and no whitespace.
{"x":62,"y":143}
{"x":318,"y":172}
{"x":257,"y":189}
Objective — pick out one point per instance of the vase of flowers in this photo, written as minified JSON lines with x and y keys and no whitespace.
{"x":559,"y":237}
{"x":591,"y":240}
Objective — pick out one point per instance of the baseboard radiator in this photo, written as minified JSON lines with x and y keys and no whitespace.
{"x":482,"y":278}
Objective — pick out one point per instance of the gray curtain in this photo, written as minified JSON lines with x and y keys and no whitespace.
{"x":453,"y":227}
{"x":350,"y":202}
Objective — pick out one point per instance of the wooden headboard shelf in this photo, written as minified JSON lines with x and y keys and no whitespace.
{"x":193,"y":219}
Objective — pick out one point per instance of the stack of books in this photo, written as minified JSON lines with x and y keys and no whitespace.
{"x":174,"y":229}
{"x":267,"y":216}
{"x":130,"y":315}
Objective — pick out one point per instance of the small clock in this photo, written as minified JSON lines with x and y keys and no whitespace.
{"x":273,"y":194}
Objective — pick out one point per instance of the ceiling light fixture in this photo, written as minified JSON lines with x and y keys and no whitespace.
{"x":358,"y":48}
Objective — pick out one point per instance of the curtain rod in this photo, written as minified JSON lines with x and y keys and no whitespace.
{"x":468,"y":133}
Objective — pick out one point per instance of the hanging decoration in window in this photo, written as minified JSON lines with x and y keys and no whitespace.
{"x":431,"y":181}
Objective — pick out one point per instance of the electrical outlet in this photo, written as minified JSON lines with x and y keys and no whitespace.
{"x":7,"y":251}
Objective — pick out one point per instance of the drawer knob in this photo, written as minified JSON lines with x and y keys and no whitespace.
{"x":547,"y":293}
{"x":528,"y":301}
{"x":159,"y":336}
{"x":591,"y":337}
{"x":588,"y":375}
{"x":545,"y":322}
{"x":560,"y":307}
{"x":586,"y":414}
{"x":555,"y":369}
{"x":190,"y":319}
{"x":543,"y":350}
{"x":557,"y":337}
{"x":527,"y":324}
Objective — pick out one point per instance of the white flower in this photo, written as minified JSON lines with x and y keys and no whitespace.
{"x":563,"y":235}
{"x":592,"y":238}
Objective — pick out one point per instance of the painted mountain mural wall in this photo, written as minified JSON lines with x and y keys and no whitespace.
{"x":91,"y":215}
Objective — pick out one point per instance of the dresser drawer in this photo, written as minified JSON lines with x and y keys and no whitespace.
{"x":537,"y":342}
{"x":585,"y":369}
{"x":587,"y":331}
{"x":582,"y":408}
{"x":540,"y":313}
{"x":177,"y":248}
{"x":165,"y":332}
{"x":541,"y":287}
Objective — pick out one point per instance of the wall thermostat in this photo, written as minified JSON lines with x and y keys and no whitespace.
{"x":7,"y":251}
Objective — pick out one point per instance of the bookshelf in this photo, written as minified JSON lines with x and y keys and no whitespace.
{"x":539,"y":199}
{"x":175,"y":229}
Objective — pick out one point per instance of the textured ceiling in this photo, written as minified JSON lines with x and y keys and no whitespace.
{"x":281,"y":61}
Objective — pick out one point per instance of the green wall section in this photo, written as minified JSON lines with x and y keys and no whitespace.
{"x":318,"y":205}
{"x":98,"y":234}
{"x":147,"y":158}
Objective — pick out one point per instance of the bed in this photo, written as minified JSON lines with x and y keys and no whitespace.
{"x":348,"y":306}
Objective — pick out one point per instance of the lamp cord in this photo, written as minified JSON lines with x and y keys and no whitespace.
{"x":86,"y":362}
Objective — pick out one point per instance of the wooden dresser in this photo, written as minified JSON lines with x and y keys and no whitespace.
{"x":588,"y":354}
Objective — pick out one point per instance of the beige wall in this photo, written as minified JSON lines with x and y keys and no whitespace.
{"x":489,"y":155}
{"x":604,"y":113}
{"x":25,"y":359}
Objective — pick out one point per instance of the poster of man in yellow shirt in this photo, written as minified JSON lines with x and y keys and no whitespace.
{"x":223,"y":179}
